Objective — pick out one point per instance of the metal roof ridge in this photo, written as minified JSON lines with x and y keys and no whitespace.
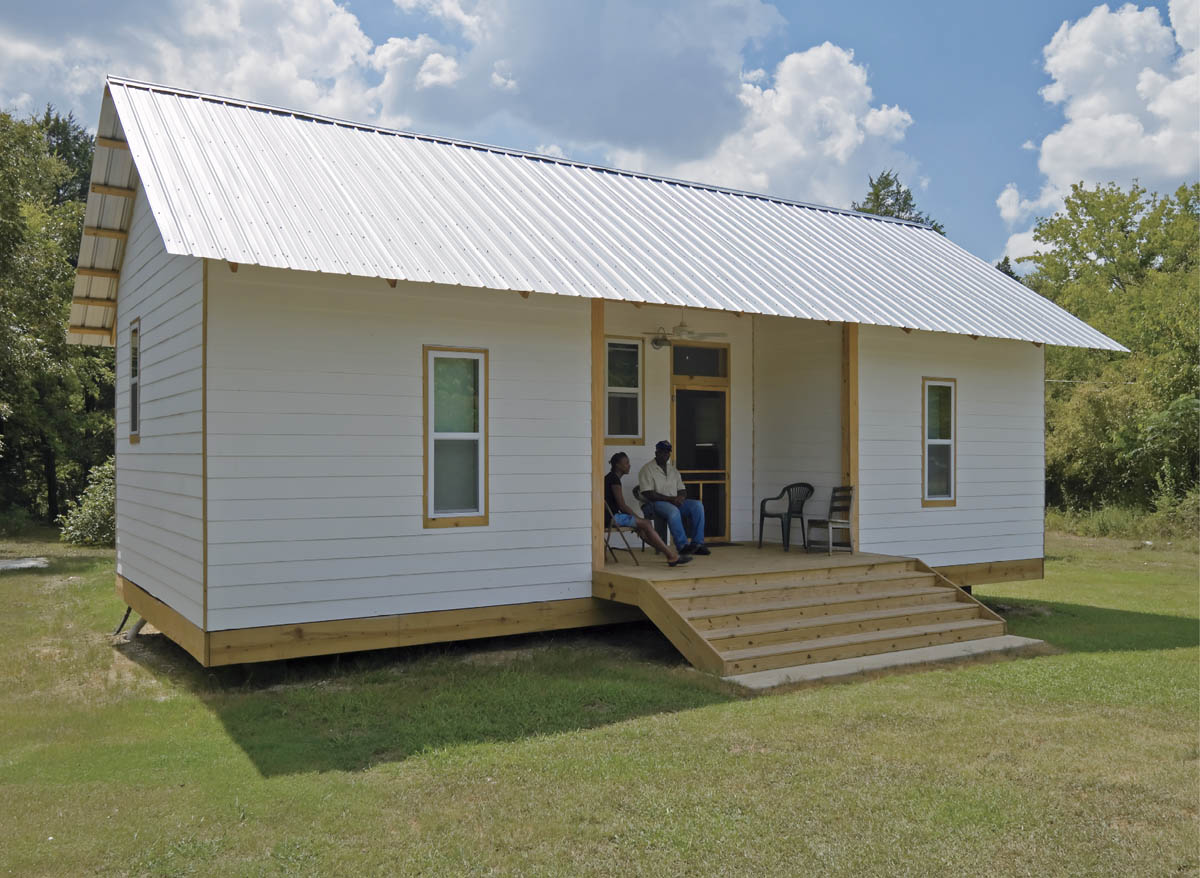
{"x":111,"y":79}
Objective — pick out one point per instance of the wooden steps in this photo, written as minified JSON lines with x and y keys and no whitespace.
{"x":804,"y":609}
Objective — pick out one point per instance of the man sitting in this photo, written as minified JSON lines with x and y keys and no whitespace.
{"x":617,"y":511}
{"x":662,"y":485}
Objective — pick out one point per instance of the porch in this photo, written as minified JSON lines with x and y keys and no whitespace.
{"x":743,"y":610}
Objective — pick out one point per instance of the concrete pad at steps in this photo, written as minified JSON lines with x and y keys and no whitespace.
{"x":851,"y":667}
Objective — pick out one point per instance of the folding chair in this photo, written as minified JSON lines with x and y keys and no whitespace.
{"x":614,"y":528}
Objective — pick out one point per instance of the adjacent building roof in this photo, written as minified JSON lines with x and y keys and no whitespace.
{"x":252,"y":184}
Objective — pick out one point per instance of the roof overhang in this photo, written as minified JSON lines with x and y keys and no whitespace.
{"x":256,"y":185}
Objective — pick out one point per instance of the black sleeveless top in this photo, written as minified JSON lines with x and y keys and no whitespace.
{"x":610,"y":500}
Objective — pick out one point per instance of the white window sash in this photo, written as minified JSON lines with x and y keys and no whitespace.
{"x":623,"y":391}
{"x":477,"y":436}
{"x":135,"y":378}
{"x":940,"y":442}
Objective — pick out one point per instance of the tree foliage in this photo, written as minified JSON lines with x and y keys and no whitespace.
{"x":887,"y":196}
{"x":55,"y":398}
{"x":1123,"y":428}
{"x":1005,"y":266}
{"x":91,"y":520}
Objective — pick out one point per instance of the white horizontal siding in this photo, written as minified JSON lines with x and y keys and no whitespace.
{"x":315,"y":416}
{"x":159,"y":486}
{"x":1000,"y":472}
{"x":797,"y":412}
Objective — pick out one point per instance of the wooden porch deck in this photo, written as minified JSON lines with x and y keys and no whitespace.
{"x":743,"y":609}
{"x":739,"y":560}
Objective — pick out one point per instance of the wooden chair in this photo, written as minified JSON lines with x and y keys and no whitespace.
{"x":797,"y":495}
{"x":614,"y":528}
{"x":838,"y":519}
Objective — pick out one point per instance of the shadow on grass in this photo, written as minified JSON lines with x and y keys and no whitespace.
{"x":349,"y":712}
{"x":1080,"y":628}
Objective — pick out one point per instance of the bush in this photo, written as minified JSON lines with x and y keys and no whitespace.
{"x":91,"y":520}
{"x":1173,"y":518}
{"x":15,"y":521}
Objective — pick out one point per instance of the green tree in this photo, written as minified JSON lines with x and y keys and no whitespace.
{"x":74,"y":146}
{"x":55,"y":398}
{"x":887,"y":196}
{"x":1120,"y":426}
{"x":1005,"y":266}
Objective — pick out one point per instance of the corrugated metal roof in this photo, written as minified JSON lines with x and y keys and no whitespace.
{"x":260,"y":185}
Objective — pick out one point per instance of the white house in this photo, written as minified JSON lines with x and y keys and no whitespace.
{"x":367,"y":381}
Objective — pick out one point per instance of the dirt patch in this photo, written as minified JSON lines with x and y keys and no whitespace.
{"x":499,"y":657}
{"x":1021,"y":611}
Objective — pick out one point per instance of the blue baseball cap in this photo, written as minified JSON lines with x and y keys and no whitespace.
{"x":664,"y":445}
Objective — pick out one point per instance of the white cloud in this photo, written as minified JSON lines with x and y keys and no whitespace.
{"x":1021,"y":244}
{"x":809,"y":133}
{"x":1029,"y":145}
{"x":309,"y":54}
{"x":502,"y":79}
{"x":1129,"y":88}
{"x":1009,"y":203}
{"x":653,"y":86}
{"x":887,"y":122}
{"x":438,"y":69}
{"x":451,"y":12}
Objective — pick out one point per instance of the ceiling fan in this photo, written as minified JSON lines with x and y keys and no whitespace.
{"x":661,"y":337}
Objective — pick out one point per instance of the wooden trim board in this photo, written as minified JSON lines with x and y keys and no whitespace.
{"x":599,"y":376}
{"x":274,"y":642}
{"x":850,"y":422}
{"x":105,"y":273}
{"x":640,"y":439}
{"x":188,"y":635}
{"x":994,"y":571}
{"x":117,"y":191}
{"x":384,"y":632}
{"x":204,"y":444}
{"x":485,"y":414}
{"x":631,"y":591}
{"x":953,"y":499}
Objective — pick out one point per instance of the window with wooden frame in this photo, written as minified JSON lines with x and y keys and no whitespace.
{"x":456,"y":442}
{"x":624,"y":410}
{"x":135,"y":382}
{"x":939,"y":404}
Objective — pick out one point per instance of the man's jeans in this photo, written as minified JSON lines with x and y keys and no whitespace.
{"x":690,"y":517}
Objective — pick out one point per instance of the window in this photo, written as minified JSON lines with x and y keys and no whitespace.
{"x":456,"y":477}
{"x":700,"y":361}
{"x":937,"y":438}
{"x":135,"y":395}
{"x":623,"y":413}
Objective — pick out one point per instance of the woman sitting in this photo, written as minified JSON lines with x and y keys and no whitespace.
{"x":616,"y":511}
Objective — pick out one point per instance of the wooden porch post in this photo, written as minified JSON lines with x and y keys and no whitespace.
{"x":850,"y":420}
{"x":598,"y":378}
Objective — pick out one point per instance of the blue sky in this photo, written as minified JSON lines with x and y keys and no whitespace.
{"x":988,"y":111}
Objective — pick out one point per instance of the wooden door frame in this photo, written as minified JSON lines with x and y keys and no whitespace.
{"x":688,"y":382}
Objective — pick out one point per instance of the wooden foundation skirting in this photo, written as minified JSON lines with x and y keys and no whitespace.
{"x":272,"y":642}
{"x":993,"y":571}
{"x":170,"y":622}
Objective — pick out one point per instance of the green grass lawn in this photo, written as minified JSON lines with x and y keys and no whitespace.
{"x":601,"y":752}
